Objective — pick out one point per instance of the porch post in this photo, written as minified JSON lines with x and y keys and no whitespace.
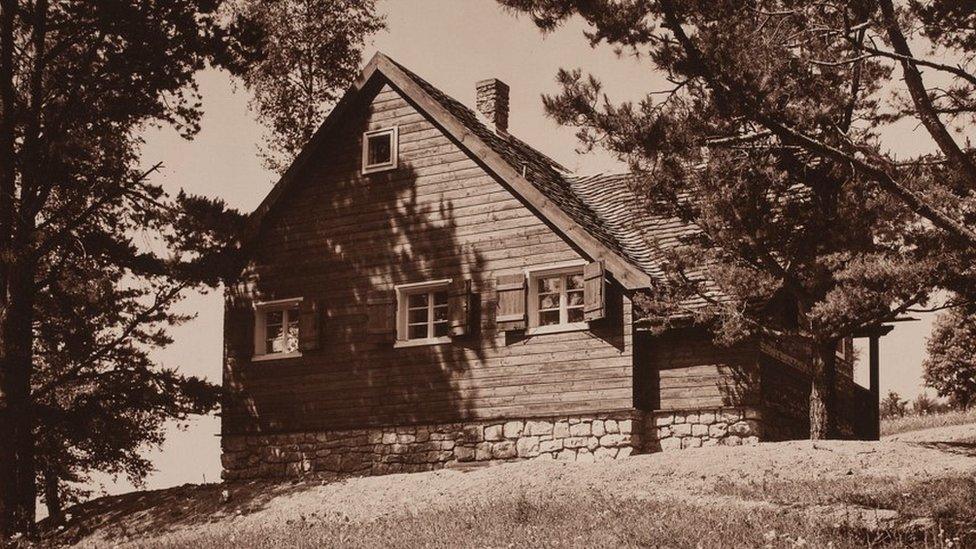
{"x":873,"y":363}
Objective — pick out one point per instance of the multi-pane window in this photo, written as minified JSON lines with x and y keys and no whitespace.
{"x":380,"y":150}
{"x":276,"y":328}
{"x":557,"y":298}
{"x":427,"y":314}
{"x":423,"y":313}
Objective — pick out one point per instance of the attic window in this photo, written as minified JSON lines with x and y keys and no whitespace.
{"x":380,"y":150}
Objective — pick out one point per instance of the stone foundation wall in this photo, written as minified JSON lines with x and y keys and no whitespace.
{"x":677,"y":429}
{"x":423,"y":448}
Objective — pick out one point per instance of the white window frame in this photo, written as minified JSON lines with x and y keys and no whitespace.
{"x":532,"y":296}
{"x":394,"y":133}
{"x":403,"y":292}
{"x":261,"y":310}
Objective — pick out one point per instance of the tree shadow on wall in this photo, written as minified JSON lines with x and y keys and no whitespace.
{"x":341,"y":238}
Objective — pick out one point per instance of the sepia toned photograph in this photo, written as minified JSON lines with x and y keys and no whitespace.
{"x":487,"y":273}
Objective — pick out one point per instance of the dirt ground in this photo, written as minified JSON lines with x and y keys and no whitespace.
{"x":688,"y":475}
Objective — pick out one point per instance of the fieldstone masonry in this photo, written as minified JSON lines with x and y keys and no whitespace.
{"x":423,"y":448}
{"x":674,"y":430}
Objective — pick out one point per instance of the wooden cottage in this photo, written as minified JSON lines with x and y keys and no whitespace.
{"x":424,"y":290}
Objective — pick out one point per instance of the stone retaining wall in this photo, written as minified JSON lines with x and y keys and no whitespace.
{"x":677,"y":429}
{"x":423,"y":448}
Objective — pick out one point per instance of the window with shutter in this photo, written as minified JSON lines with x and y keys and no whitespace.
{"x":424,"y":313}
{"x":276,"y":329}
{"x":564,"y":297}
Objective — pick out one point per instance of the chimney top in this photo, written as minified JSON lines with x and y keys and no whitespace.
{"x":492,"y":100}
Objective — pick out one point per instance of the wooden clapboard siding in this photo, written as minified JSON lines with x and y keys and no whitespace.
{"x":681,"y":369}
{"x":338,"y":237}
{"x":786,"y":378}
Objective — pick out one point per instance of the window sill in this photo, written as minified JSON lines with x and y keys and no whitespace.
{"x":379,"y":168}
{"x":276,"y":356}
{"x":558,"y":328}
{"x":422,"y":342}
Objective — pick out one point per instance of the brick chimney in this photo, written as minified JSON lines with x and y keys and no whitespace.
{"x":492,"y":99}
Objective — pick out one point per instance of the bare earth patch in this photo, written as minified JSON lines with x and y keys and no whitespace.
{"x":851,"y":486}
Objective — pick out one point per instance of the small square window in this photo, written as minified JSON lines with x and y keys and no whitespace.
{"x":380,"y":150}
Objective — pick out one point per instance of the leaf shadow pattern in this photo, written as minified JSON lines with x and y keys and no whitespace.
{"x":340,"y":237}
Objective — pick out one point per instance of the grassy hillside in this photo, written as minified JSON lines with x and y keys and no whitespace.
{"x":905,"y":424}
{"x":794,"y":494}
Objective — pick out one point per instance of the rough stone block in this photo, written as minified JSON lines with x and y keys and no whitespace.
{"x":750,"y":440}
{"x":603,"y":454}
{"x":376,"y":437}
{"x":574,"y":442}
{"x":423,"y":435}
{"x":471,"y":433}
{"x":527,"y":446}
{"x":566,"y":454}
{"x":574,"y":420}
{"x":706,"y":418}
{"x":585,"y":456}
{"x":613,"y":441}
{"x":664,"y":432}
{"x":503,"y":450}
{"x":691,"y":442}
{"x":717,"y":430}
{"x":670,"y":443}
{"x":663,"y":420}
{"x":626,"y":451}
{"x":625,"y":426}
{"x":744,"y":428}
{"x":495,"y":432}
{"x":560,"y":429}
{"x":710,"y":442}
{"x":550,"y":445}
{"x":482,"y":451}
{"x":592,"y":443}
{"x":699,"y":430}
{"x":732,"y":440}
{"x":538,"y":428}
{"x":682,"y":429}
{"x":389,"y":438}
{"x":730,"y":415}
{"x":598,"y":428}
{"x":611,"y":426}
{"x":580,"y":430}
{"x":406,"y":438}
{"x":513,"y":429}
{"x":464,"y":453}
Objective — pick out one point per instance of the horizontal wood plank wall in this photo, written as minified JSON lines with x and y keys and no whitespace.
{"x":785,"y":371}
{"x":339,"y":236}
{"x":682,"y":370}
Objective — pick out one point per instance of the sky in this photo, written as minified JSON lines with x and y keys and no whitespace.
{"x":452,"y":44}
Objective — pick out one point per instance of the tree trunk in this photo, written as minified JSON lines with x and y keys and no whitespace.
{"x":52,"y":497}
{"x":823,"y":393}
{"x":17,"y":469}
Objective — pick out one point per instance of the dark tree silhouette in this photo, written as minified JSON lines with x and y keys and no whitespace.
{"x":766,"y":146}
{"x":950,"y":367}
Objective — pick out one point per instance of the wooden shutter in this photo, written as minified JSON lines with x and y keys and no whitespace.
{"x":309,"y":325}
{"x":510,"y":314}
{"x":238,"y":331}
{"x":594,"y":292}
{"x":381,"y":314}
{"x":459,"y":305}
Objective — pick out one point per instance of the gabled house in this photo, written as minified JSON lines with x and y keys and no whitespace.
{"x":423,"y":290}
